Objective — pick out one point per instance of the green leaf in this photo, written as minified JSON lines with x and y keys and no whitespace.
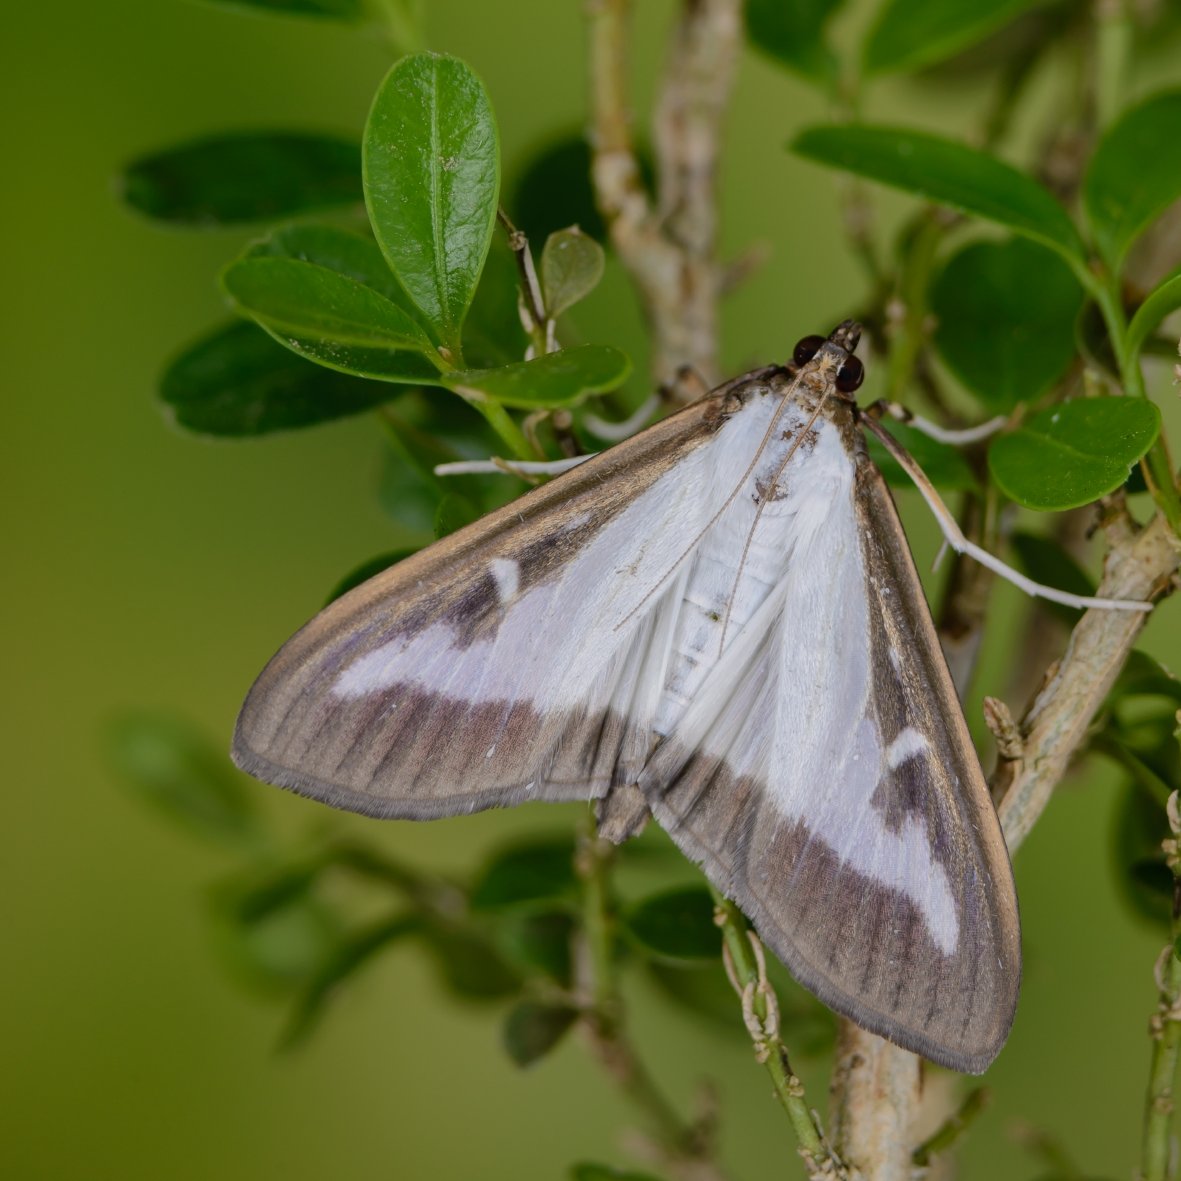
{"x":1134,"y":174}
{"x":1165,"y":298}
{"x":537,"y":871}
{"x":278,"y":947}
{"x":432,"y":179}
{"x":493,"y":334}
{"x":550,"y":381}
{"x":171,"y":766}
{"x":553,"y":188}
{"x":351,"y":11}
{"x":365,"y":571}
{"x":244,"y":177}
{"x":313,"y":303}
{"x":591,"y":1171}
{"x":676,"y":924}
{"x":571,"y":267}
{"x":1006,"y":317}
{"x":791,"y":33}
{"x":944,"y":465}
{"x":700,"y":987}
{"x":409,"y":490}
{"x":1144,"y":676}
{"x":910,"y":34}
{"x":471,"y":967}
{"x":948,"y":173}
{"x":532,"y":1030}
{"x":538,"y":941}
{"x":453,"y":512}
{"x":1048,"y":562}
{"x":238,"y":381}
{"x":1073,"y":453}
{"x":354,"y":953}
{"x":356,"y":256}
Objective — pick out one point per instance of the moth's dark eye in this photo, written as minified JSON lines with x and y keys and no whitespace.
{"x":850,"y":375}
{"x":807,"y":349}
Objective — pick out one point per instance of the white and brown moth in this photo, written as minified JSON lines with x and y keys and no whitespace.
{"x":719,"y":621}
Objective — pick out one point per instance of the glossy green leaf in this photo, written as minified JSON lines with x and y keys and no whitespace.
{"x":538,"y":942}
{"x":791,"y":33}
{"x":1160,"y":302}
{"x":571,"y":267}
{"x":313,"y":303}
{"x":244,"y":177}
{"x":351,"y":11}
{"x":354,"y":255}
{"x":550,"y":381}
{"x":676,"y":924}
{"x":354,"y":953}
{"x":944,"y":465}
{"x":1073,"y":453}
{"x":365,"y":571}
{"x":910,"y":34}
{"x":1134,"y":174}
{"x":532,"y":1029}
{"x":432,"y":180}
{"x":237,"y":381}
{"x":1048,"y":562}
{"x":170,"y":765}
{"x":527,"y":874}
{"x":408,"y":489}
{"x":1006,"y":316}
{"x":946,"y":172}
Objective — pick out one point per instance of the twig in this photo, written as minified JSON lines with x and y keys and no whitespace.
{"x":1139,"y":566}
{"x":742,"y":954}
{"x":1165,"y":1028}
{"x":668,"y":248}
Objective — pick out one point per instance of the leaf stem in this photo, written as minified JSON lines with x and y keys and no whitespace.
{"x":747,"y":971}
{"x":1165,"y":1028}
{"x":505,"y":426}
{"x":953,"y":1128}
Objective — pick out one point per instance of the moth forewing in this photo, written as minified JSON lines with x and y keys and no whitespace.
{"x":722,"y":613}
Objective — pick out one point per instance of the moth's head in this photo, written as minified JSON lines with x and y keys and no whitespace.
{"x":828,"y":361}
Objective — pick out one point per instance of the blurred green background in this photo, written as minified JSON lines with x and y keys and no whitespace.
{"x":146,"y":568}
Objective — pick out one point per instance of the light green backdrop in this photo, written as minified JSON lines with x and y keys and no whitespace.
{"x":146,"y":568}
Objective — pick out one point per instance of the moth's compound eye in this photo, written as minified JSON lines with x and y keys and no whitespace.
{"x":850,"y":375}
{"x":806,"y":349}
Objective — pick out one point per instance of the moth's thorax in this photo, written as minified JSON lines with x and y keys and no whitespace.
{"x":787,"y":463}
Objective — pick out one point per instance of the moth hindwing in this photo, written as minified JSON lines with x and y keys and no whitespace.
{"x":723,"y":614}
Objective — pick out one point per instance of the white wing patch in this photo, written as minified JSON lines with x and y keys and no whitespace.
{"x":907,"y":745}
{"x":822,"y":758}
{"x":506,"y":573}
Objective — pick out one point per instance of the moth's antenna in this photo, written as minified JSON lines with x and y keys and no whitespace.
{"x":961,"y":545}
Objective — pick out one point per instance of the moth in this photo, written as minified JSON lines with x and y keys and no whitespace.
{"x":718,"y":622}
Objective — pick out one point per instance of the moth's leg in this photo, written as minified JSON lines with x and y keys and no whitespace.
{"x":961,"y":438}
{"x":511,"y":467}
{"x":961,"y":545}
